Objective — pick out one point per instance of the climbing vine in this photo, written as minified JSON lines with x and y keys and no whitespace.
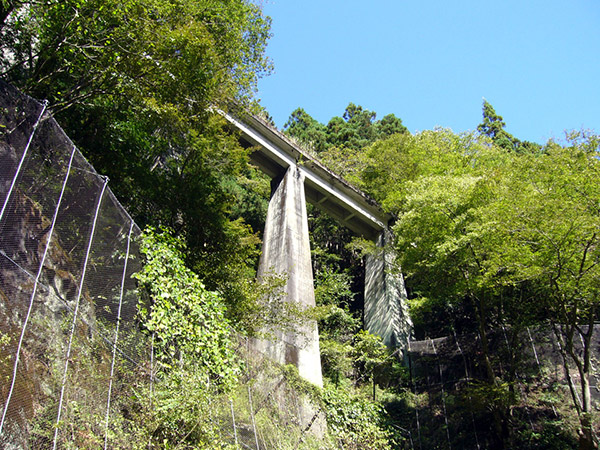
{"x":187,"y":321}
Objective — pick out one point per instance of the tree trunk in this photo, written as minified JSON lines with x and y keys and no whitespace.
{"x":587,"y":437}
{"x":485,"y":350}
{"x":499,"y":415}
{"x":583,"y":406}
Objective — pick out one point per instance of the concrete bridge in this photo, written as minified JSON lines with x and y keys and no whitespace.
{"x":296,"y":178}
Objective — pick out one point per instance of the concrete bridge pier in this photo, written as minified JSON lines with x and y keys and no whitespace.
{"x":286,"y":251}
{"x":385,"y":308}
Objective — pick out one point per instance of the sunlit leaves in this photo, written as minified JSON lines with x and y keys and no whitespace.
{"x":475,"y":220}
{"x":132,"y":83}
{"x":187,"y":321}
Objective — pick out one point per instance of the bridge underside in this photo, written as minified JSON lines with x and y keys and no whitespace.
{"x":320,"y":198}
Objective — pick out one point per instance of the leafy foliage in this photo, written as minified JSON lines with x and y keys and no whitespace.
{"x":486,"y":237}
{"x":187,"y":322}
{"x":174,"y":54}
{"x":133,"y":84}
{"x":493,"y":126}
{"x":341,"y":142}
{"x":369,"y":352}
{"x":356,"y":422}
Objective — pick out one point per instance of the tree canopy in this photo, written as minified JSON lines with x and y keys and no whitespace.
{"x":493,"y":126}
{"x":355,"y":129}
{"x":133,"y":84}
{"x":503,"y":238}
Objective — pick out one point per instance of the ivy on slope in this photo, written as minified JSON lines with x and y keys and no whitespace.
{"x":187,"y":321}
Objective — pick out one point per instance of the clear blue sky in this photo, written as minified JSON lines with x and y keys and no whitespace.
{"x":431,"y":62}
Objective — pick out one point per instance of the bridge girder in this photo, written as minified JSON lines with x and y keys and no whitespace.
{"x":275,"y":152}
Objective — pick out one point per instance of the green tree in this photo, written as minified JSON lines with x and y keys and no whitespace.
{"x":507,"y":238}
{"x":388,"y":126}
{"x":392,"y":163}
{"x":133,"y":83}
{"x":549,"y":221}
{"x":493,"y":126}
{"x":368,"y":352}
{"x":184,"y":54}
{"x":341,"y":143}
{"x":337,"y":325}
{"x":357,"y":128}
{"x":441,"y":185}
{"x":307,"y":130}
{"x":356,"y":422}
{"x":443,"y":237}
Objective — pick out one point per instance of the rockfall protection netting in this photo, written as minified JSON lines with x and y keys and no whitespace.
{"x":446,"y":374}
{"x":67,"y":299}
{"x":71,"y":346}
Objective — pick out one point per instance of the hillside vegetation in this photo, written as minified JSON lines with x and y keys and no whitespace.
{"x":492,"y":233}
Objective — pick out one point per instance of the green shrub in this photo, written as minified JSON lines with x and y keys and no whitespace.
{"x":187,"y":321}
{"x":355,"y":421}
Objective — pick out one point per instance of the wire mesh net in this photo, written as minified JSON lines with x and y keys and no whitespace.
{"x":447,"y":373}
{"x":72,"y":351}
{"x":67,"y":252}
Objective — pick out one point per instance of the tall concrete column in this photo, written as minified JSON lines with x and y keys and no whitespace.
{"x":386,"y":310}
{"x":286,"y":251}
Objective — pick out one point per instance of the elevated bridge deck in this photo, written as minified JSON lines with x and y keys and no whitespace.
{"x":299,"y":177}
{"x":275,"y":152}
